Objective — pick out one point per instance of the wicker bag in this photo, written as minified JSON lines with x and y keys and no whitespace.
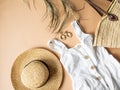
{"x":108,"y":30}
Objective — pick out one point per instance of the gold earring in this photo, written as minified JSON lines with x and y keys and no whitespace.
{"x":63,"y":36}
{"x":68,"y":34}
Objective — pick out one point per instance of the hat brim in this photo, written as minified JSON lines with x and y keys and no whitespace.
{"x":52,"y":61}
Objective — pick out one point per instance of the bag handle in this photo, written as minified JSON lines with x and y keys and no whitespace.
{"x":109,"y":0}
{"x":112,"y":0}
{"x":112,"y":17}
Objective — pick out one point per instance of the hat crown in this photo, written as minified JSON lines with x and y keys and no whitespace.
{"x":35,"y":74}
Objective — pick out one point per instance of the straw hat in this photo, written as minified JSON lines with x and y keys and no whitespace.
{"x":36,"y":69}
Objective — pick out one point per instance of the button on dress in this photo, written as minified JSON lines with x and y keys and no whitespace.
{"x":90,"y":67}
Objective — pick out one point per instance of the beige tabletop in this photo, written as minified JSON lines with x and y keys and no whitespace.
{"x":22,"y":28}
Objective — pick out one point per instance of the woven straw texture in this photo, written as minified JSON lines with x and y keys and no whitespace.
{"x":108,"y":32}
{"x":35,"y":74}
{"x":53,"y":63}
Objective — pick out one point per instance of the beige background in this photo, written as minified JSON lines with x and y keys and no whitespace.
{"x":22,"y":28}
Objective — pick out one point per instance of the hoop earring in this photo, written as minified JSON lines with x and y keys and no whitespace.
{"x":68,"y":34}
{"x":63,"y":36}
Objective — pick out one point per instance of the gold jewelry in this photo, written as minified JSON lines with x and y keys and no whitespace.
{"x":68,"y":34}
{"x":63,"y":36}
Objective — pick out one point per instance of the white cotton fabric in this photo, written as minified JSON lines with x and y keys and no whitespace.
{"x":90,"y":68}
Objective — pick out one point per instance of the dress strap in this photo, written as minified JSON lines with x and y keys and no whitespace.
{"x":84,"y":38}
{"x":78,"y":31}
{"x":57,"y":45}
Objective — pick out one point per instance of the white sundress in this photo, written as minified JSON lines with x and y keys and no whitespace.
{"x":90,"y":67}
